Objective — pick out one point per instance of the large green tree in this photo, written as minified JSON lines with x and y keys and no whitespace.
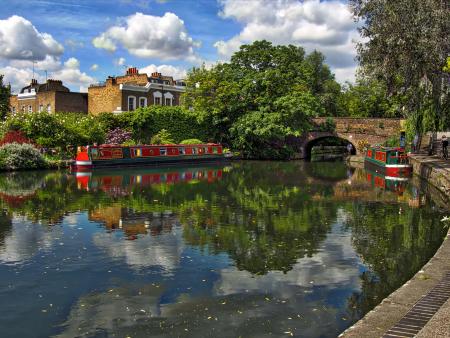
{"x":266,"y":90}
{"x":406,"y":45}
{"x":5,"y":93}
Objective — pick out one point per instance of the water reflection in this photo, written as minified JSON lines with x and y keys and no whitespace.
{"x":252,"y":249}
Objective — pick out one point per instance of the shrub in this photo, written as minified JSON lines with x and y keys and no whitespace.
{"x":162,"y":137}
{"x":14,"y":136}
{"x":14,"y":156}
{"x":362,"y":145}
{"x":117,"y":136}
{"x":191,"y":141}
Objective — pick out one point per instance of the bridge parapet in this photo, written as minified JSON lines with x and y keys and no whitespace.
{"x":383,"y":127}
{"x":353,"y":130}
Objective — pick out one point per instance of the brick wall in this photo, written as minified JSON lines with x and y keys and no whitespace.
{"x":43,"y":99}
{"x":71,"y":102}
{"x":104,"y":99}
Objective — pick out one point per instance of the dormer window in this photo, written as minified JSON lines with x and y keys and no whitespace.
{"x":30,"y":109}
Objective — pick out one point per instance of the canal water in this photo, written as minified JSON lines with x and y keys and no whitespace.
{"x":248,"y":249}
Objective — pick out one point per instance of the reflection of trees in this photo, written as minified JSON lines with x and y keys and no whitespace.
{"x":394,"y":244}
{"x":264,"y":222}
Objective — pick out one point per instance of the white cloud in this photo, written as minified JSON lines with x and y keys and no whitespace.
{"x":103,"y":42}
{"x":20,"y":40}
{"x":72,"y":63}
{"x":327,"y":26}
{"x":150,"y":36}
{"x":120,"y":61}
{"x":20,"y":73}
{"x":169,"y":70}
{"x":94,"y":67}
{"x":71,"y":75}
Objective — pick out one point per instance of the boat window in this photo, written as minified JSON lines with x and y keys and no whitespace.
{"x":194,"y":151}
{"x":215,"y":150}
{"x":162,"y":151}
{"x":181,"y":150}
{"x":94,"y":152}
{"x":138,"y":152}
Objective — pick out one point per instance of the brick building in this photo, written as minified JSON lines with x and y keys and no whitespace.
{"x":51,"y":96}
{"x":134,"y":90}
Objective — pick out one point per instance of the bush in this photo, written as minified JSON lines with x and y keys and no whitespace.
{"x":162,"y":137}
{"x":14,"y":156}
{"x":118,"y":136}
{"x":14,"y":136}
{"x":261,"y":135}
{"x":191,"y":141}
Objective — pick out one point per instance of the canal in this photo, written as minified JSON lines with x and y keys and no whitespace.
{"x":250,"y":249}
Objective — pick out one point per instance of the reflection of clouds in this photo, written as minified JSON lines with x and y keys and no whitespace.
{"x":108,"y":311}
{"x":139,"y":312}
{"x":163,"y":250}
{"x":25,"y":239}
{"x":334,"y":265}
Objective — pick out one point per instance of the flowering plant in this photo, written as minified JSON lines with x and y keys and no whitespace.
{"x":117,"y":136}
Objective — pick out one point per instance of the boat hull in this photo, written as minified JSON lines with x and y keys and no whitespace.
{"x":154,"y":161}
{"x":390,"y":170}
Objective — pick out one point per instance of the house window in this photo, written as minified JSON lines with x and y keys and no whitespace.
{"x":157,"y":100}
{"x":13,"y":110}
{"x":41,"y":108}
{"x":30,"y":109}
{"x":143,"y":102}
{"x":131,"y":103}
{"x":49,"y":108}
{"x":168,"y":102}
{"x":23,"y":109}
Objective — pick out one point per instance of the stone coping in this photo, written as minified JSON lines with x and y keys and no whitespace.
{"x":386,"y":314}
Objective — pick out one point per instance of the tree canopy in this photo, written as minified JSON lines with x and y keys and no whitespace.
{"x":266,"y":90}
{"x":5,"y":93}
{"x":406,"y":45}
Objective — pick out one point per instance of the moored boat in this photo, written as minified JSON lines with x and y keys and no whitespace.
{"x":390,"y":161}
{"x":110,"y":155}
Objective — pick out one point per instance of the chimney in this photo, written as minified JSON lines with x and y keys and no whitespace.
{"x":156,"y":74}
{"x":132,"y":71}
{"x":34,"y":82}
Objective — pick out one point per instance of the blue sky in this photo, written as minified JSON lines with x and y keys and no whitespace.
{"x":84,"y":41}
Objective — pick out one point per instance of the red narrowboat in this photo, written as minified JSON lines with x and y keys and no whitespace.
{"x":110,"y":155}
{"x":392,"y":162}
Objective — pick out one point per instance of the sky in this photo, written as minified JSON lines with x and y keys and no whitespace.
{"x":84,"y":41}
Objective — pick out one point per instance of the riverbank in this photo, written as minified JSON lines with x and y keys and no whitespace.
{"x":393,"y":308}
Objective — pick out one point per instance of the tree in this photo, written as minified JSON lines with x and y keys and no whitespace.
{"x":5,"y":93}
{"x":273,"y":82}
{"x":406,"y":44}
{"x":367,"y":98}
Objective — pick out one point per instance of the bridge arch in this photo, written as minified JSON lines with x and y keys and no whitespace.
{"x":334,"y":139}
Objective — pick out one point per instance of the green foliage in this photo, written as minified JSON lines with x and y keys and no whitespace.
{"x":146,"y":122}
{"x":262,"y":136}
{"x":57,"y":130}
{"x":14,"y":156}
{"x":5,"y":93}
{"x":162,"y":137}
{"x":367,"y":98}
{"x":406,"y":45}
{"x":278,"y":82}
{"x":191,"y":141}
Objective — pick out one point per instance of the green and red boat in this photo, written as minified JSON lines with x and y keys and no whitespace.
{"x":390,"y":161}
{"x":111,"y":155}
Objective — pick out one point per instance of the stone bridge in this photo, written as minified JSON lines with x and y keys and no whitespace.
{"x":353,"y":130}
